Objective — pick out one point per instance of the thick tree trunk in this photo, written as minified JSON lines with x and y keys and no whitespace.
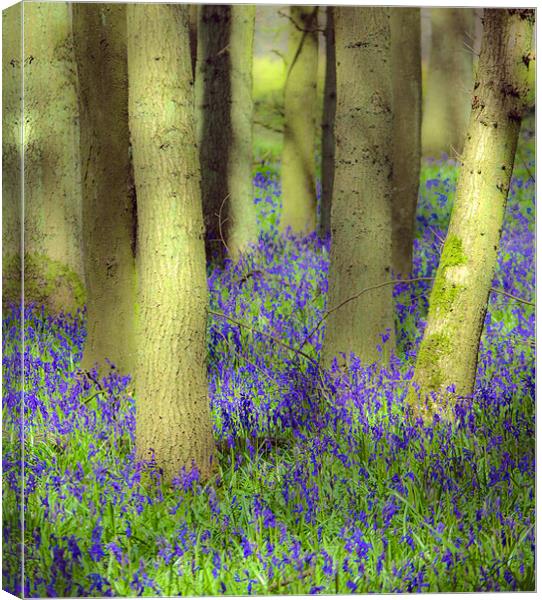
{"x":407,"y":116}
{"x":173,"y":414}
{"x":109,"y":212}
{"x":224,"y":98}
{"x":362,"y":191}
{"x":52,"y":182}
{"x":300,"y":106}
{"x":449,"y":82}
{"x":12,"y":122}
{"x":328,"y":124}
{"x":458,"y":303}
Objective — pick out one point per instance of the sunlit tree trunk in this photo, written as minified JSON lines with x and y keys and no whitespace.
{"x":407,"y":116}
{"x":109,"y":216}
{"x":458,"y":303}
{"x":328,"y":121}
{"x":362,"y":190}
{"x":12,"y":121}
{"x":172,"y":406}
{"x":449,"y":81}
{"x":300,"y":106}
{"x":52,"y":182}
{"x":224,"y":98}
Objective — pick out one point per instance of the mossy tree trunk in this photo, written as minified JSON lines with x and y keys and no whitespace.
{"x":407,"y":118}
{"x":328,"y":124}
{"x":224,"y":100}
{"x":12,"y":122}
{"x":109,"y":212}
{"x":172,"y":406}
{"x":362,"y":190}
{"x":300,"y":107}
{"x":449,"y":82}
{"x":458,"y":303}
{"x":52,"y":181}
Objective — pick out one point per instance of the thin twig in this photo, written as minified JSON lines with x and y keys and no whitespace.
{"x":355,"y":297}
{"x":267,"y":335}
{"x":392,"y":282}
{"x":270,"y":127}
{"x":220,"y":222}
{"x":298,"y":27}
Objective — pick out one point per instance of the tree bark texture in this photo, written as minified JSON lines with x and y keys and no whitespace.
{"x":109,"y":211}
{"x":362,"y":191}
{"x":12,"y":122}
{"x":52,"y":181}
{"x":173,"y":413}
{"x":328,"y":124}
{"x":224,"y":98}
{"x":458,"y":303}
{"x":300,"y":107}
{"x":449,"y":82}
{"x":407,"y":118}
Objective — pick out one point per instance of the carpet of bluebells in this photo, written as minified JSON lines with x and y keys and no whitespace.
{"x":323,"y":483}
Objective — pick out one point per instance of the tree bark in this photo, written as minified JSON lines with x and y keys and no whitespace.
{"x":224,"y":98}
{"x":12,"y":122}
{"x":458,"y":303}
{"x":407,"y":117}
{"x":109,"y":211}
{"x":173,"y":413}
{"x":328,"y":123}
{"x":52,"y":181}
{"x":300,"y":106}
{"x":449,"y":82}
{"x":362,"y":191}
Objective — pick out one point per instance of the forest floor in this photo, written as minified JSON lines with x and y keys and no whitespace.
{"x":323,"y":486}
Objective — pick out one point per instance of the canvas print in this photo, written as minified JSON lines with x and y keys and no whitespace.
{"x":268,"y":289}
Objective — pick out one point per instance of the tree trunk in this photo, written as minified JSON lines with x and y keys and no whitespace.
{"x":52,"y":182}
{"x":224,"y":98}
{"x":362,"y":191}
{"x":328,"y":121}
{"x":449,"y":82}
{"x":300,"y":106}
{"x":193,"y":34}
{"x":12,"y":123}
{"x":407,"y":116}
{"x":109,"y":212}
{"x":173,"y":414}
{"x":458,"y":303}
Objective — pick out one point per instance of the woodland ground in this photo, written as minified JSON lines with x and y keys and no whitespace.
{"x":322,"y":483}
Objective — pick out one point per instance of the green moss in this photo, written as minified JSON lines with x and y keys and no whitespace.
{"x":47,"y":282}
{"x":431,"y":349}
{"x":444,"y":292}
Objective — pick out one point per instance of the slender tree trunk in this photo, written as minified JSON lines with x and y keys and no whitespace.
{"x":193,"y":34}
{"x":449,"y":81}
{"x":458,"y":303}
{"x":224,"y":97}
{"x":407,"y":117}
{"x":362,"y":191}
{"x":108,"y":193}
{"x":12,"y":122}
{"x":52,"y":182}
{"x":300,"y":106}
{"x":173,"y":414}
{"x":328,"y":122}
